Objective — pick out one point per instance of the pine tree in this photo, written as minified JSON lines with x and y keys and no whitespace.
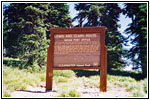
{"x":138,"y":28}
{"x":27,"y":30}
{"x":104,"y":15}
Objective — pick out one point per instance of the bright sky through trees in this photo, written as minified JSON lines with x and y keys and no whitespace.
{"x":124,"y":21}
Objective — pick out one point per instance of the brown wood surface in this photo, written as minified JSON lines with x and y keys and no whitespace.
{"x":102,"y":63}
{"x":49,"y":72}
{"x":75,"y":68}
{"x":103,"y":72}
{"x":103,"y":54}
{"x":78,"y":30}
{"x":82,"y":50}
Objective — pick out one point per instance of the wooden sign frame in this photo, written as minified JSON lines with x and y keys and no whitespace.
{"x":103,"y":54}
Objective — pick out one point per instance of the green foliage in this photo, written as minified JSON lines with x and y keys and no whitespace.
{"x":6,"y":94}
{"x":138,"y":30}
{"x":26,"y":31}
{"x":69,"y":88}
{"x":104,"y":14}
{"x":15,"y":79}
{"x":74,"y":93}
{"x":60,"y":79}
{"x":92,"y":81}
{"x":137,"y":88}
{"x":145,"y":85}
{"x":11,"y":61}
{"x":64,"y":73}
{"x":71,"y":93}
{"x":67,"y":91}
{"x":120,"y":81}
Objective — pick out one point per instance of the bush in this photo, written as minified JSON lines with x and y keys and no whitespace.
{"x":11,"y":61}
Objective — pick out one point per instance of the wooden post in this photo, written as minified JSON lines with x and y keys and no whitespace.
{"x":49,"y":72}
{"x":103,"y":63}
{"x":103,"y":73}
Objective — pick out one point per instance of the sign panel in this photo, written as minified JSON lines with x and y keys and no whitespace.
{"x":77,"y":50}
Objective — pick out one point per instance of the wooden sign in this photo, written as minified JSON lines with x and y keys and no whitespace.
{"x":77,"y":48}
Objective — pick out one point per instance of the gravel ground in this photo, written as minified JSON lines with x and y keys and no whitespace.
{"x":87,"y":92}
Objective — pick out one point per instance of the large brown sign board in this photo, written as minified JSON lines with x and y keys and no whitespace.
{"x":77,"y":48}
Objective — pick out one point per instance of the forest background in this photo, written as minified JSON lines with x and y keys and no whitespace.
{"x":26,"y":32}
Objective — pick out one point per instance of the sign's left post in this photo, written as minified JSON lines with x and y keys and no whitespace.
{"x":49,"y":70}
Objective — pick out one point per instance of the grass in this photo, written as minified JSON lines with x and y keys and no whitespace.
{"x":138,"y":88}
{"x":69,"y":88}
{"x":15,"y":79}
{"x":68,"y":81}
{"x":64,"y":73}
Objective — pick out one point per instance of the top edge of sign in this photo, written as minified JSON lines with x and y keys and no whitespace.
{"x":78,"y":29}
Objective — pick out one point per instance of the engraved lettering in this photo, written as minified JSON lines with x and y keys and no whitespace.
{"x":69,"y":36}
{"x":67,"y":39}
{"x":85,"y":39}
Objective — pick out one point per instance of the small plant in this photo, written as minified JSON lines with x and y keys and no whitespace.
{"x":7,"y":94}
{"x":69,"y":93}
{"x":74,"y":93}
{"x":42,"y":77}
{"x":138,"y":94}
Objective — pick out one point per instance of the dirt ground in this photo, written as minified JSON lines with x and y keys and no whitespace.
{"x":86,"y":92}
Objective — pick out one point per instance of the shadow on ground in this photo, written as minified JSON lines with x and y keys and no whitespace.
{"x":36,"y":91}
{"x":31,"y":91}
{"x":87,"y":73}
{"x":11,"y":62}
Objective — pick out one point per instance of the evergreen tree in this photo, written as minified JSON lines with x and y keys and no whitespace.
{"x":104,"y":15}
{"x":138,"y":28}
{"x":27,"y":29}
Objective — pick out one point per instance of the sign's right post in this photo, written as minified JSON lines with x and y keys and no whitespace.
{"x":103,"y":64}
